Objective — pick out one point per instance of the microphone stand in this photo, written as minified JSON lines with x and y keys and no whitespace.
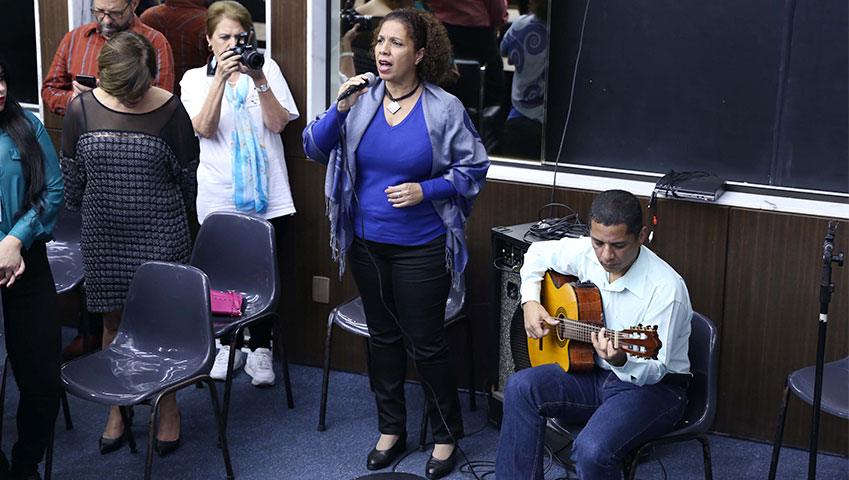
{"x":826,"y":289}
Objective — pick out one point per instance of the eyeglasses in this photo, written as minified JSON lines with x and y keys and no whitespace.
{"x":99,"y":15}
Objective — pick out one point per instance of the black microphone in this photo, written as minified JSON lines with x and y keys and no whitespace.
{"x":356,"y":88}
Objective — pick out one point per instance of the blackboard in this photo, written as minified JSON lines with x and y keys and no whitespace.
{"x":752,"y":91}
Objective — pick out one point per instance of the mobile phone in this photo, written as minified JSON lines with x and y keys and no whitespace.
{"x":86,"y":81}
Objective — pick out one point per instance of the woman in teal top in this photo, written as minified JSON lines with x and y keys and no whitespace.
{"x":31,"y":193}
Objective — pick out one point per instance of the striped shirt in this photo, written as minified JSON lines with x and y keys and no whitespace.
{"x":183,"y":22}
{"x":77,"y":55}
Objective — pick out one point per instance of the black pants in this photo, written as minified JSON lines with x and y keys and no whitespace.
{"x":481,"y":44}
{"x":415,"y":286}
{"x":33,"y":340}
{"x":261,"y":331}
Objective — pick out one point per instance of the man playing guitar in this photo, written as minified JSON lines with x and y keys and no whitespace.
{"x":624,"y":400}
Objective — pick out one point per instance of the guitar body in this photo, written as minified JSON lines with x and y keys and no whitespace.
{"x":564,"y":297}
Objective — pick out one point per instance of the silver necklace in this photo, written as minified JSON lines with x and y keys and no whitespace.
{"x":394,"y":106}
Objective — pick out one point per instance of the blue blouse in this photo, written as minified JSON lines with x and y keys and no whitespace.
{"x":30,"y":226}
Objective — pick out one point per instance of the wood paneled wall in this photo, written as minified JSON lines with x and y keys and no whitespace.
{"x":754,"y":273}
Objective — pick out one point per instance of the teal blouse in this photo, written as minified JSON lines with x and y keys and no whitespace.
{"x":29,"y":226}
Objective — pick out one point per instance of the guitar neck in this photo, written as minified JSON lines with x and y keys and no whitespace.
{"x":580,"y":331}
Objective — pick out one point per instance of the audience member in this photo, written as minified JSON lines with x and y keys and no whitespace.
{"x":398,"y":195}
{"x":183,"y":22}
{"x":129,"y":157}
{"x":472,"y":26}
{"x":78,"y":51}
{"x":526,"y":47}
{"x":239,"y":113}
{"x":358,"y":21}
{"x":31,"y":194}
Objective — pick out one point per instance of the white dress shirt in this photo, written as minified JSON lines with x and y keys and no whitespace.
{"x":650,"y":293}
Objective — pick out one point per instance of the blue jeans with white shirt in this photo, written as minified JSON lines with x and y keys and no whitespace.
{"x":619,"y":417}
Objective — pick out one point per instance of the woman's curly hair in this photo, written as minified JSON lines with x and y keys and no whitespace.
{"x":427,"y":32}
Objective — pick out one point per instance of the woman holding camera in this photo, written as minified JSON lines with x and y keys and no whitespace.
{"x":30,"y":195}
{"x":399,"y":190}
{"x":238,"y":112}
{"x":129,"y":160}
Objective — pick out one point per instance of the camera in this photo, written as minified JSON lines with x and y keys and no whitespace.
{"x":349,"y":17}
{"x":247,"y":51}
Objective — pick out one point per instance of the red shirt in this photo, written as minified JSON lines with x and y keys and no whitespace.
{"x":470,"y":13}
{"x":183,"y":22}
{"x":77,"y":54}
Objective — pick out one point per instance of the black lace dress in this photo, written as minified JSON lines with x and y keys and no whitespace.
{"x":132,"y":175}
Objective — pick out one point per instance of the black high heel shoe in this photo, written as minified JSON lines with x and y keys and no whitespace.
{"x":109,"y":445}
{"x":164,"y":447}
{"x":439,"y":468}
{"x":378,"y":459}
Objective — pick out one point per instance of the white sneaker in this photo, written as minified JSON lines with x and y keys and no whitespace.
{"x":259,"y":368}
{"x":219,"y":368}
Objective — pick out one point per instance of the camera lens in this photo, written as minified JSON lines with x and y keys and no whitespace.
{"x":253,"y":59}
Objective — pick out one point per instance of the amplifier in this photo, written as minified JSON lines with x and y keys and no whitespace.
{"x":509,"y":245}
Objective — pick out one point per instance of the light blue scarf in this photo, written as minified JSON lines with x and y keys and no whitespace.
{"x":250,"y":161}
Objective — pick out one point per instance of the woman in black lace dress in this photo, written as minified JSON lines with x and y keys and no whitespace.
{"x":129,"y":157}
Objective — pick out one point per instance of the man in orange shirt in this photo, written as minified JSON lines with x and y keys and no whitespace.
{"x":78,"y":51}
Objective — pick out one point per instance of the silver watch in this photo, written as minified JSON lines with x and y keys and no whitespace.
{"x":263,"y":88}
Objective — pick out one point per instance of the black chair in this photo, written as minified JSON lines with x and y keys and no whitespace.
{"x":469,"y":88}
{"x":165,"y":343}
{"x":351,"y":317}
{"x":835,"y":397}
{"x":238,"y":252}
{"x":701,"y":396}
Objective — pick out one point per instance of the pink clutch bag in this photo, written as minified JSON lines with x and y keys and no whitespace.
{"x":227,"y":303}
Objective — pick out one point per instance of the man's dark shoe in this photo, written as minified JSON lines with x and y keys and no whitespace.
{"x":378,"y":459}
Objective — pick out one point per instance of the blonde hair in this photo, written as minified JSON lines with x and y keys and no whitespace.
{"x":128,"y":66}
{"x":229,"y":9}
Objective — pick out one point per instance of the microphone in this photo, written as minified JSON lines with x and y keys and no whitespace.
{"x":356,"y":88}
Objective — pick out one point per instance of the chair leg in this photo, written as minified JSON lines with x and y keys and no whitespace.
{"x":322,"y":409}
{"x":66,"y":410}
{"x":706,"y":454}
{"x":222,"y":434}
{"x":423,"y":428}
{"x":470,"y":345}
{"x":228,"y":380}
{"x":779,"y":433}
{"x":368,"y":364}
{"x":151,"y":435}
{"x":128,"y":428}
{"x":631,"y":467}
{"x":48,"y":455}
{"x":287,"y":383}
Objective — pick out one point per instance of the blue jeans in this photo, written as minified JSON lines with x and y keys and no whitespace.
{"x":619,"y":417}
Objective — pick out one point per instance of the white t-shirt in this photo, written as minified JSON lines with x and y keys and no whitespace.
{"x":215,"y":172}
{"x":650,"y":293}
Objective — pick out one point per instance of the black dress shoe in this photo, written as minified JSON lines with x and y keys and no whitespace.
{"x":378,"y":459}
{"x":109,"y":445}
{"x":164,"y":447}
{"x":439,"y":468}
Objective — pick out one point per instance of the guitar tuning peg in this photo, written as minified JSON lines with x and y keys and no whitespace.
{"x":640,"y":326}
{"x":654,"y":327}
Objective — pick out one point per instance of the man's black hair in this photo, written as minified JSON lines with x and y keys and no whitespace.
{"x":614,"y":207}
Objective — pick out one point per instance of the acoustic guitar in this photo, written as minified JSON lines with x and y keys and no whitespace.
{"x":578,"y":308}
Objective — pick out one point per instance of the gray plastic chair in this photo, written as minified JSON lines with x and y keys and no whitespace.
{"x":351,"y":317}
{"x":238,"y":252}
{"x":701,"y":399}
{"x":835,"y":397}
{"x":165,"y":343}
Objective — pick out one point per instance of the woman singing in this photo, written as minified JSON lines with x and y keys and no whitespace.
{"x":239,"y":112}
{"x":399,"y":190}
{"x":31,"y":195}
